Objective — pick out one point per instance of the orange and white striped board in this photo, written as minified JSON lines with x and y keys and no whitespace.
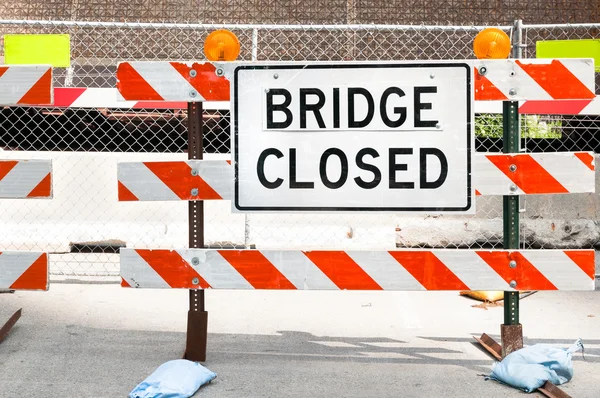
{"x":25,"y":179}
{"x":359,"y":270}
{"x":493,"y":174}
{"x":25,"y":84}
{"x":94,"y":97}
{"x":23,"y":270}
{"x":534,"y":79}
{"x":495,"y":80}
{"x":175,"y":180}
{"x":171,"y":81}
{"x":534,"y":173}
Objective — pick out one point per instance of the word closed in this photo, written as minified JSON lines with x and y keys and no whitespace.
{"x":353,"y":137}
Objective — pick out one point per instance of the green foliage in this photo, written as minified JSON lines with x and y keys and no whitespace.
{"x":532,"y":126}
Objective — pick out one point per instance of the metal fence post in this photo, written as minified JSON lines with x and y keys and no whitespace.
{"x":511,"y":330}
{"x":197,"y":326}
{"x":254,"y":44}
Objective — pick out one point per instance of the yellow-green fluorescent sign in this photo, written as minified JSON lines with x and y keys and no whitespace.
{"x":24,"y":49}
{"x":588,"y":48}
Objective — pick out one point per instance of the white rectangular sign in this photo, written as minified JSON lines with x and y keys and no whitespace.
{"x":391,"y":137}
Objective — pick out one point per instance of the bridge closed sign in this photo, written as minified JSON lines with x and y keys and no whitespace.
{"x":373,"y":137}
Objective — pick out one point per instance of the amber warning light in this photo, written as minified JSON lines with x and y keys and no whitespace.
{"x":221,"y":45}
{"x":491,"y":43}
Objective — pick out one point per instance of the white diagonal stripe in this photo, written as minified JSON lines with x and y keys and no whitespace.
{"x":559,"y":269}
{"x":13,"y":265}
{"x":472,"y":270}
{"x":593,"y":108}
{"x":583,"y":70}
{"x":17,"y":81}
{"x":385,"y":270}
{"x":568,"y":170}
{"x":143,"y":183}
{"x":137,"y":272}
{"x":527,"y":88}
{"x":215,"y":269}
{"x":100,"y":98}
{"x":498,"y":73}
{"x":166,"y":81}
{"x":489,"y":180}
{"x":299,"y":270}
{"x":24,"y":177}
{"x":216,"y":173}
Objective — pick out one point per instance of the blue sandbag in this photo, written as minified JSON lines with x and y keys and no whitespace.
{"x":179,"y":378}
{"x":530,"y":367}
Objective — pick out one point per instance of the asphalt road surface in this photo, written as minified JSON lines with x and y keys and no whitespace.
{"x":102,"y":340}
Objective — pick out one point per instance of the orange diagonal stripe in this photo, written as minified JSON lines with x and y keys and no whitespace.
{"x":172,"y":268}
{"x":485,"y":90}
{"x":133,"y":86}
{"x":585,"y":259}
{"x":6,"y":166}
{"x":525,"y":274}
{"x":124,"y":194}
{"x":530,"y":176}
{"x":41,"y":92}
{"x":557,"y":80}
{"x":256,"y":269}
{"x":426,"y":268}
{"x":586,"y":158}
{"x":3,"y":70}
{"x":35,"y":277}
{"x":210,"y":86}
{"x":43,"y":189}
{"x":342,"y":270}
{"x":178,"y":177}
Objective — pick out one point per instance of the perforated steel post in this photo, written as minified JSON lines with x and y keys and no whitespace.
{"x":511,"y":331}
{"x":197,"y":327}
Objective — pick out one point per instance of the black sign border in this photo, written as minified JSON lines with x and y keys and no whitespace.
{"x":353,"y":66}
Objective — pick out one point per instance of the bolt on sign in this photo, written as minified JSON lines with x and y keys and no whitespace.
{"x":353,"y":137}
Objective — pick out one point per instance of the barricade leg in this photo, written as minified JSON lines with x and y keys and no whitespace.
{"x":511,"y":331}
{"x":9,"y":324}
{"x":197,"y":325}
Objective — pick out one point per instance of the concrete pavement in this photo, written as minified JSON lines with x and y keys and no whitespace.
{"x":101,"y":340}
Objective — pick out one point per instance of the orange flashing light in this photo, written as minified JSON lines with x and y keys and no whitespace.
{"x":491,"y":43}
{"x":221,"y":45}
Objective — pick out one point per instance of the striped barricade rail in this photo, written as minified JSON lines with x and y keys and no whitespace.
{"x":93,"y":97}
{"x":25,"y":179}
{"x":495,"y":80}
{"x":25,"y":85}
{"x":494,"y":174}
{"x":359,"y":270}
{"x":23,"y":270}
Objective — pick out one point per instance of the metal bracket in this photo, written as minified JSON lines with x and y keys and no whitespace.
{"x":9,"y":324}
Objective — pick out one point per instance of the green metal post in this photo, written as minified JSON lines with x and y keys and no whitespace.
{"x":511,"y":331}
{"x":511,"y":138}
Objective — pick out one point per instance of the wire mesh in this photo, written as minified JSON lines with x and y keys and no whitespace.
{"x":84,"y":225}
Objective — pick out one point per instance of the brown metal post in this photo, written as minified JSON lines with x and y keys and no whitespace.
{"x":197,"y":325}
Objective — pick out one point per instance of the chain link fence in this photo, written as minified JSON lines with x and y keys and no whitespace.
{"x":84,"y":225}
